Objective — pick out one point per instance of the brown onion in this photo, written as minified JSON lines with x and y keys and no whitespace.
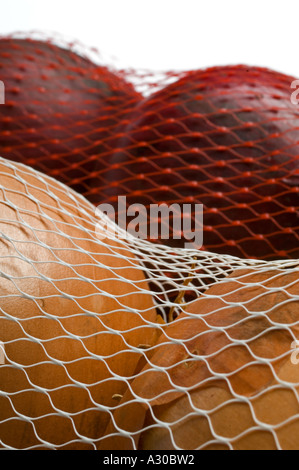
{"x":75,"y":314}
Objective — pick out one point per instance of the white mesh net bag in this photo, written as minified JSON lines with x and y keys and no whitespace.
{"x":103,"y":348}
{"x":108,"y":341}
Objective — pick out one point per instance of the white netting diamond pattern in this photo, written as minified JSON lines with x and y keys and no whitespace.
{"x":90,"y":357}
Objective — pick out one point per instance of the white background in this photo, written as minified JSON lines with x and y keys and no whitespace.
{"x":169,"y":34}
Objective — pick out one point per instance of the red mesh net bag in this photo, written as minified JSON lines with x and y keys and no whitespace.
{"x":112,"y":342}
{"x":227,"y":138}
{"x":63,"y":112}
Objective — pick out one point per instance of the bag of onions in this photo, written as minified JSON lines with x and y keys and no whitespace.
{"x":75,"y":315}
{"x":112,"y":342}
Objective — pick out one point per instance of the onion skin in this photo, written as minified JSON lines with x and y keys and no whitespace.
{"x":64,"y":295}
{"x":225,"y":137}
{"x":62,"y":112}
{"x":239,"y":309}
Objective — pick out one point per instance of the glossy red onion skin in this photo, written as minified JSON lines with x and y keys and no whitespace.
{"x":226,"y":137}
{"x":62,"y":112}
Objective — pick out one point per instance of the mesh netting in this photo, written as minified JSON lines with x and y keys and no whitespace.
{"x":108,"y":341}
{"x":63,"y":111}
{"x":92,"y":359}
{"x":227,"y":138}
{"x":224,"y":137}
